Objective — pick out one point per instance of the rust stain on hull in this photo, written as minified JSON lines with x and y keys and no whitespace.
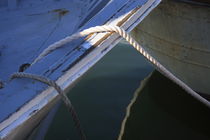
{"x":61,"y":12}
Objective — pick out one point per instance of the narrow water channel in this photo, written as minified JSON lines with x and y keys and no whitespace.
{"x":161,"y":111}
{"x":101,"y":96}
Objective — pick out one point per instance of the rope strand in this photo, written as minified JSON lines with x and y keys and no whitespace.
{"x":129,"y":39}
{"x":63,"y":96}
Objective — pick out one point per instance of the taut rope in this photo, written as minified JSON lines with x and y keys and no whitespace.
{"x":128,"y":38}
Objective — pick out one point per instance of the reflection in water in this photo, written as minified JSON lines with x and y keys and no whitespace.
{"x":100,"y":98}
{"x":163,"y":110}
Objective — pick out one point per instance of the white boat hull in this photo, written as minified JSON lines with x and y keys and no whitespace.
{"x":27,"y":101}
{"x":177,"y":35}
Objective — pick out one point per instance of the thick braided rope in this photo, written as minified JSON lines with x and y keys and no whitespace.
{"x":61,"y":93}
{"x":60,"y":43}
{"x":159,"y":66}
{"x":139,"y":48}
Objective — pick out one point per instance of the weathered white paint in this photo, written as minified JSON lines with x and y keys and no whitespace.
{"x":39,"y":98}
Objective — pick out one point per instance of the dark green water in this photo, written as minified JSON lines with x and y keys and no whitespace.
{"x":161,"y":111}
{"x":100,"y":98}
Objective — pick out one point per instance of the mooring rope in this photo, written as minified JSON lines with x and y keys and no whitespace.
{"x":65,"y":99}
{"x":129,"y":39}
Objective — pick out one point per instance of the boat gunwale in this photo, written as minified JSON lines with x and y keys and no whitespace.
{"x":196,"y":2}
{"x":10,"y":124}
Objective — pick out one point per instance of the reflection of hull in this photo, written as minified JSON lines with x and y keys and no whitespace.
{"x":27,"y":27}
{"x":157,"y":95}
{"x":177,"y":35}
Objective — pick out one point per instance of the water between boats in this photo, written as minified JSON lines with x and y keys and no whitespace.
{"x":161,"y":110}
